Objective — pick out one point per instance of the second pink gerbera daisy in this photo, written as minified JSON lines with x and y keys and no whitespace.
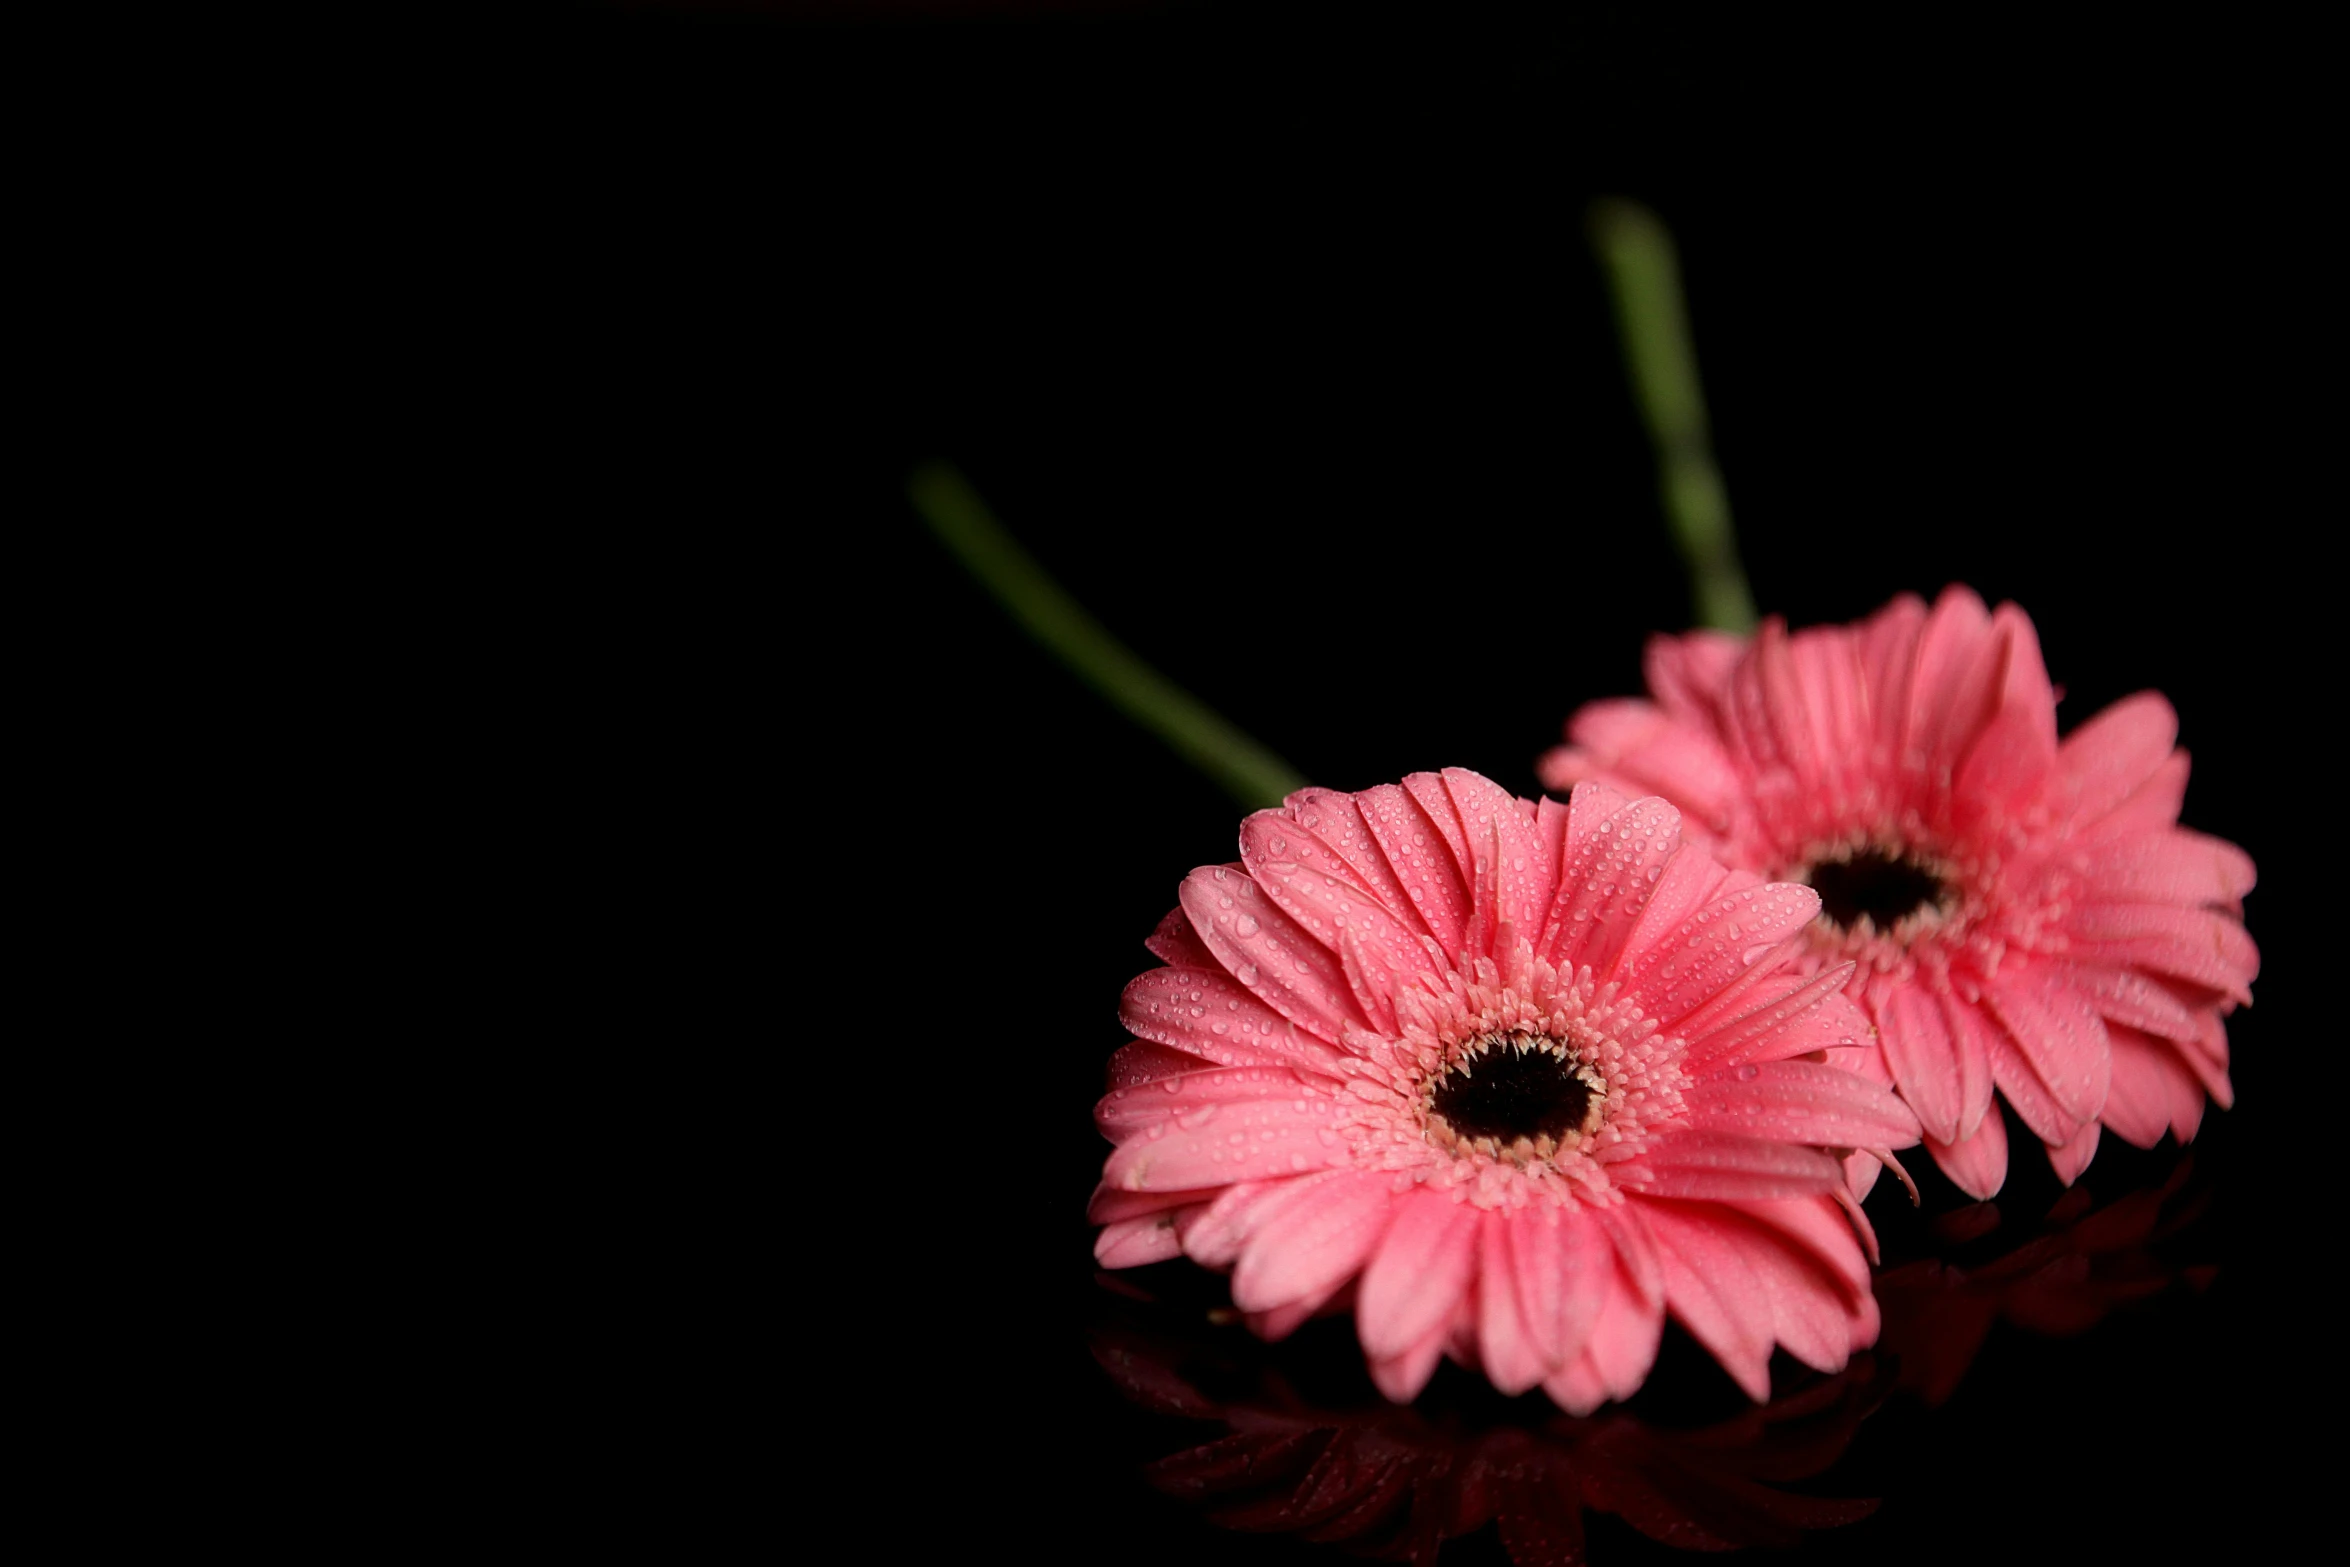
{"x":2028,"y":916}
{"x":1521,"y":1079}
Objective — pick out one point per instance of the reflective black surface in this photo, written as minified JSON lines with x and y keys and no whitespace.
{"x":1275,"y":337}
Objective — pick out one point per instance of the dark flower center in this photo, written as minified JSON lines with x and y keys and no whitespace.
{"x":1516,"y":1094}
{"x":1877,"y":885}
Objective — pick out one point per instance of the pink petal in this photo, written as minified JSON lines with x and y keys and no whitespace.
{"x":1797,"y":1020}
{"x":2154,"y":805}
{"x":1435,"y":802}
{"x":1313,"y":1245}
{"x":1336,"y":822}
{"x":1175,"y":943}
{"x":1110,"y":1204}
{"x":1819,"y":1231}
{"x":1146,"y":1061}
{"x":1417,"y":1274}
{"x":1827,"y":666}
{"x":1621,"y":1344}
{"x":1607,"y":880}
{"x":1799,"y":1102}
{"x":2121,"y":996}
{"x":1977,"y":1163}
{"x":2026,"y":670}
{"x":1612,"y":729}
{"x":2073,"y":1157}
{"x":1564,"y":1262}
{"x":1971,"y":1031}
{"x":1924,"y":1057}
{"x":2206,"y":1056}
{"x":1270,"y":953}
{"x":1955,"y":685}
{"x":1277,"y":1324}
{"x":1888,"y":665}
{"x":2186,"y":1107}
{"x":1513,"y":1361}
{"x":1812,"y":1312}
{"x":2010,"y":1069}
{"x":2009,"y":767}
{"x":1504,"y":851}
{"x":2060,"y":1034}
{"x":1688,"y":878}
{"x":1257,"y":1141}
{"x":2103,"y":762}
{"x":2138,"y":1105}
{"x":1421,"y":864}
{"x":1688,"y":673}
{"x":1777,"y":722}
{"x":1134,"y":1243}
{"x":1123,"y":1113}
{"x":1860,"y":1173}
{"x":1592,"y":804}
{"x":1206,"y":1013}
{"x":2191,"y":944}
{"x":1717,"y":945}
{"x":1719,"y":1165}
{"x":2172,"y":865}
{"x":1213,"y":1235}
{"x":1401,"y":1376}
{"x":1712,"y":1290}
{"x":1304,"y":881}
{"x":2154,"y":1090}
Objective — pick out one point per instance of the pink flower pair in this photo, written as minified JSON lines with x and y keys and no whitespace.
{"x":1515,"y":1079}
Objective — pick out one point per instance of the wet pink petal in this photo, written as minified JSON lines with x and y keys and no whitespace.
{"x":2106,"y":760}
{"x":2174,"y":867}
{"x":2073,"y":1157}
{"x":1716,"y":1294}
{"x":1313,"y":1244}
{"x":1423,"y":1264}
{"x":1417,"y":857}
{"x":1612,"y":873}
{"x":1268,"y":952}
{"x":1795,"y":1023}
{"x":1513,"y":1358}
{"x":2059,"y":1032}
{"x":1131,"y":1243}
{"x":1976,"y":1163}
{"x":1924,"y":1058}
{"x":1254,"y":1141}
{"x":1717,"y":944}
{"x":1800,"y":1102}
{"x":1206,"y":1013}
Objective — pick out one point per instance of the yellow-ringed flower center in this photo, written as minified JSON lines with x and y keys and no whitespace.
{"x":1879,"y":887}
{"x":1516,"y":1097}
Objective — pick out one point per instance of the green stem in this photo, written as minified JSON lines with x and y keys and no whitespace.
{"x":1644,"y":278}
{"x":1251,"y":774}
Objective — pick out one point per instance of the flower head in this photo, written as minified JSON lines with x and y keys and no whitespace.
{"x":2028,"y":916}
{"x":1521,"y":1078}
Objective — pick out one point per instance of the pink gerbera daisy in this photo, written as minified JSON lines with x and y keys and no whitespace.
{"x":2027,"y":915}
{"x":1522,"y":1078}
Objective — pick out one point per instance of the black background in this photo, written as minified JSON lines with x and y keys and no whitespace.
{"x":1273,"y":333}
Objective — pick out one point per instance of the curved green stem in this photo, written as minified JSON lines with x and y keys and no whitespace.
{"x":1644,"y":279}
{"x":1253,"y":775}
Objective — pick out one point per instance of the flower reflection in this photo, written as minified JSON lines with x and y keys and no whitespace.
{"x":2084,"y":1261}
{"x":1397,"y":1482}
{"x":1308,"y":1448}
